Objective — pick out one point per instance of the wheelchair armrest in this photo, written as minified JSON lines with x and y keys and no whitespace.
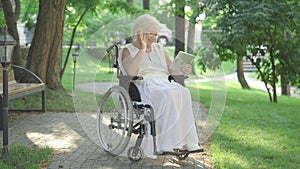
{"x":126,"y":82}
{"x":129,"y":78}
{"x":178,"y":78}
{"x":137,"y":78}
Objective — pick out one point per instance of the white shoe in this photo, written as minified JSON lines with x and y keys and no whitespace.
{"x":192,"y":147}
{"x":153,"y":157}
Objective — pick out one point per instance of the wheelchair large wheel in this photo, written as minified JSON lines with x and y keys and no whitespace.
{"x":115,"y":120}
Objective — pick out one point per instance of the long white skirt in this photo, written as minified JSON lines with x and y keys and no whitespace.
{"x":175,"y":124}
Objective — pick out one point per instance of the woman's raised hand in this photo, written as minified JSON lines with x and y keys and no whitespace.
{"x":143,"y":42}
{"x":141,"y":38}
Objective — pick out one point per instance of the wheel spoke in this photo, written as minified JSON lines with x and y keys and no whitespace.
{"x":113,"y":126}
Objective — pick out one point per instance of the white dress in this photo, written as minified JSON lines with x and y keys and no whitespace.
{"x":175,"y":124}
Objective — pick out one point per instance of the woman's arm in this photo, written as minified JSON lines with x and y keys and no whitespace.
{"x":132,"y":64}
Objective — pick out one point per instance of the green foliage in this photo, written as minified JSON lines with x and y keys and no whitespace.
{"x":29,"y":12}
{"x":208,"y":59}
{"x":253,"y":27}
{"x":2,"y":19}
{"x":24,"y":157}
{"x":121,"y":6}
{"x":99,"y":13}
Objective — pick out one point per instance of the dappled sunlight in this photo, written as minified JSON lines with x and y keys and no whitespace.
{"x":232,"y":84}
{"x":199,"y":85}
{"x":64,"y":138}
{"x":268,"y":138}
{"x":256,"y":130}
{"x":88,"y":121}
{"x":106,"y":69}
{"x":214,"y":92}
{"x":170,"y":164}
{"x":265,"y":143}
{"x":232,"y":159}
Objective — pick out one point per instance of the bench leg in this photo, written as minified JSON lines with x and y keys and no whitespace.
{"x":44,"y":101}
{"x":1,"y":115}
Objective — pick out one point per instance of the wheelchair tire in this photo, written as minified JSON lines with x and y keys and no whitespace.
{"x":115,"y":120}
{"x":135,"y":154}
{"x":182,"y":156}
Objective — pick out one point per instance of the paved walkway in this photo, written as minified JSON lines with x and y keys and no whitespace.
{"x":74,"y":138}
{"x":75,"y":149}
{"x":254,"y":83}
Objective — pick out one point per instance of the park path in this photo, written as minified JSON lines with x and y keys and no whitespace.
{"x":253,"y":83}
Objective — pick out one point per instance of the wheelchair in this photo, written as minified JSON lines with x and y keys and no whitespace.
{"x":121,"y":114}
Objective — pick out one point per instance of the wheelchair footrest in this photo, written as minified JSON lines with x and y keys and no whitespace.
{"x":181,"y":152}
{"x":141,"y":106}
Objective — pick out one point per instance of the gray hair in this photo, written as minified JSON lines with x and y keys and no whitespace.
{"x":145,"y":23}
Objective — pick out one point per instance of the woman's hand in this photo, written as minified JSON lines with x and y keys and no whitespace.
{"x":143,"y":41}
{"x":187,"y":69}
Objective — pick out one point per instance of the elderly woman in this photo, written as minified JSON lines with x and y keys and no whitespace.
{"x":171,"y":101}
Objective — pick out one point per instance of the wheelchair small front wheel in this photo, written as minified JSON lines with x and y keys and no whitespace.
{"x":135,"y":154}
{"x":115,"y":120}
{"x":182,"y":156}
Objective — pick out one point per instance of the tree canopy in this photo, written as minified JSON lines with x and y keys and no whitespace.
{"x":269,"y":28}
{"x":257,"y":30}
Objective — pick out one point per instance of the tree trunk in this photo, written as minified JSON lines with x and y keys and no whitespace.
{"x":11,"y":17}
{"x":191,"y":36}
{"x":179,"y":26}
{"x":285,"y":87}
{"x":146,"y":4}
{"x":240,"y":73}
{"x":44,"y":56}
{"x":273,"y":75}
{"x":72,"y":41}
{"x":262,"y":75}
{"x":191,"y":42}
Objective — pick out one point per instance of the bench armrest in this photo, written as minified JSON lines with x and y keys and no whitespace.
{"x":22,"y":74}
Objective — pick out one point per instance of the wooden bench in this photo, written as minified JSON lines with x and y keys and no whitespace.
{"x":22,"y":82}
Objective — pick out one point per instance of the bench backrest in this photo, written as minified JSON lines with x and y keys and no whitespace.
{"x":11,"y":77}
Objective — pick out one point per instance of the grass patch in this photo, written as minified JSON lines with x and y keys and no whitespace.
{"x":86,"y":102}
{"x":253,"y":132}
{"x":23,"y":157}
{"x":34,"y":101}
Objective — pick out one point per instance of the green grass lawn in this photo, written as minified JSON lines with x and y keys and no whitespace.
{"x":27,"y":158}
{"x":253,"y":132}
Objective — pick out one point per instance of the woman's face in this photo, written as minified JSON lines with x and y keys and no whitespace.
{"x":151,"y":37}
{"x":151,"y":34}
